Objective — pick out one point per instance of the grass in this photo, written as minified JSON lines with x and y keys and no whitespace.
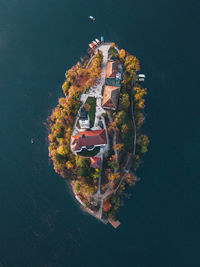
{"x":87,"y":153}
{"x":113,"y":52}
{"x":92,"y":102}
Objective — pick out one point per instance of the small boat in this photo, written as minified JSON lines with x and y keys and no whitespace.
{"x":91,"y":18}
{"x":90,"y":45}
{"x":32,"y":140}
{"x":102,"y":39}
{"x":95,"y":43}
{"x":141,"y":76}
{"x":97,"y":40}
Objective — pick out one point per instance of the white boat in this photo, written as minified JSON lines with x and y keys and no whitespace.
{"x":97,"y":40}
{"x":91,"y":18}
{"x":141,"y":76}
{"x":95,"y":43}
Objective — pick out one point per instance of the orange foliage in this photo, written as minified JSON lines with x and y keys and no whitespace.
{"x":106,"y":204}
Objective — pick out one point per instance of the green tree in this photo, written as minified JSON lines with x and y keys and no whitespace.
{"x":119,"y":117}
{"x":82,"y":171}
{"x":124,"y":101}
{"x":80,"y":161}
{"x":59,"y":158}
{"x":143,"y":142}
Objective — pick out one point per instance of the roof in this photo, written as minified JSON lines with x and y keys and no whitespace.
{"x":88,"y":138}
{"x":95,"y":162}
{"x":111,"y":69}
{"x":110,"y":96}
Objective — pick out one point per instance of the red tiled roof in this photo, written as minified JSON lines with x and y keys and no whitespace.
{"x":95,"y":162}
{"x":88,"y":138}
{"x":110,"y":97}
{"x":111,"y":69}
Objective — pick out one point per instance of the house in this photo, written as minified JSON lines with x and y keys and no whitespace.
{"x":113,"y":73}
{"x":88,"y":140}
{"x":95,"y":162}
{"x":84,"y":120}
{"x":110,"y":97}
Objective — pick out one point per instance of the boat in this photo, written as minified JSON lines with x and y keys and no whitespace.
{"x":91,"y":18}
{"x":141,"y":76}
{"x":102,"y":39}
{"x":95,"y":43}
{"x":97,"y":40}
{"x":91,"y":45}
{"x":32,"y":140}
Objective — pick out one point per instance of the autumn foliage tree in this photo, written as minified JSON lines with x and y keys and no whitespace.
{"x":118,"y":147}
{"x":122,"y":53}
{"x":124,"y":101}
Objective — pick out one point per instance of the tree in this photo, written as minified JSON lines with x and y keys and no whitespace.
{"x":62,"y":101}
{"x":69,"y":165}
{"x":143,"y":142}
{"x":124,"y":129}
{"x":106,"y":205}
{"x":82,"y":171}
{"x":76,"y":186}
{"x":59,"y":158}
{"x":118,"y":147}
{"x":139,"y":118}
{"x":130,"y":179}
{"x":122,"y":53}
{"x":112,"y":45}
{"x":112,"y":163}
{"x":119,"y":117}
{"x":124,"y":101}
{"x":62,"y":150}
{"x":80,"y":161}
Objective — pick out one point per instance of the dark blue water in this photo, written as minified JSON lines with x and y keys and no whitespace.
{"x":41,"y":224}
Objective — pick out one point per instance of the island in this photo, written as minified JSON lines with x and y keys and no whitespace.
{"x":95,"y":137}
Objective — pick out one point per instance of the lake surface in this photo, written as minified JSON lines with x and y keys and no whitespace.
{"x":41,"y":224}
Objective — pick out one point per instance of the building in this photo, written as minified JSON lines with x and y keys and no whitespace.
{"x":84,"y":120}
{"x":95,"y":162}
{"x":110,"y":97}
{"x":88,"y":140}
{"x":113,"y":73}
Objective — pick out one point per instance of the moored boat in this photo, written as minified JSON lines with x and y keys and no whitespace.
{"x":97,"y":40}
{"x":91,"y":18}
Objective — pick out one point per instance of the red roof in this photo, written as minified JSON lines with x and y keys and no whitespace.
{"x":110,"y":97}
{"x":88,"y":138}
{"x":111,"y":69}
{"x":95,"y":162}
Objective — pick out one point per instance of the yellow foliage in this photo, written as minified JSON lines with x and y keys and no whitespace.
{"x":62,"y":150}
{"x":62,"y":101}
{"x":118,"y":147}
{"x":141,"y":103}
{"x":69,"y":165}
{"x":122,"y":53}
